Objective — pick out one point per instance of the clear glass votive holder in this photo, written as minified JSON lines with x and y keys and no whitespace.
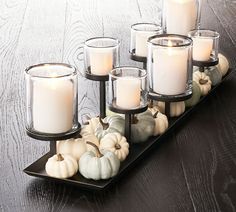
{"x":205,"y":45}
{"x":181,"y":16}
{"x":51,"y":99}
{"x":101,"y":55}
{"x":127,"y":88}
{"x":140,"y":32}
{"x":169,"y":66}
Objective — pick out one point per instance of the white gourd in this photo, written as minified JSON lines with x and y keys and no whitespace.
{"x":176,"y":108}
{"x":115,"y":143}
{"x":61,"y":166}
{"x":203,"y":81}
{"x":223,"y":64}
{"x":88,"y":132}
{"x":161,"y":123}
{"x":74,"y":147}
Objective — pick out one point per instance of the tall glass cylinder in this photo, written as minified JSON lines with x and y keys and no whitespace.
{"x":170,"y":65}
{"x":101,"y":55}
{"x":51,"y":98}
{"x":127,"y":88}
{"x":205,"y":45}
{"x":140,"y":33}
{"x":181,"y":16}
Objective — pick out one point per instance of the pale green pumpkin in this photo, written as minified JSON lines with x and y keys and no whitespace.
{"x":214,"y":74}
{"x":110,"y":124}
{"x":195,"y":97}
{"x":142,"y":127}
{"x":99,"y":165}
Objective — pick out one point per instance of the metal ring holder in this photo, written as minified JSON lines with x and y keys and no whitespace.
{"x":52,"y":108}
{"x":101,"y":54}
{"x":205,"y":48}
{"x":170,"y":69}
{"x":127,"y":93}
{"x":140,"y":32}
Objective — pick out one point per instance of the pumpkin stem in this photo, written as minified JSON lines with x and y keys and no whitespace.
{"x":59,"y":157}
{"x":87,"y":118}
{"x":155,"y":114}
{"x":202,"y":81}
{"x":104,"y":125}
{"x":117,"y":146}
{"x":98,"y":153}
{"x":150,"y":105}
{"x":134,"y":119}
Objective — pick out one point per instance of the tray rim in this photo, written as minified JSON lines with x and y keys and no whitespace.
{"x":123,"y":170}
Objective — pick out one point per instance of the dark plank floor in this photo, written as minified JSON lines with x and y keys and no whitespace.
{"x":194,"y":169}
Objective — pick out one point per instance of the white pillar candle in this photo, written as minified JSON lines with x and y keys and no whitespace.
{"x":202,"y":48}
{"x":101,"y":61}
{"x":52,"y":105}
{"x":180,"y":15}
{"x":170,"y":71}
{"x":141,"y":42}
{"x":128,"y":92}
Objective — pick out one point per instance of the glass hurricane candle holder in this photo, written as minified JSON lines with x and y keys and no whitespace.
{"x":205,"y":47}
{"x":51,"y":99}
{"x":181,"y":16}
{"x":140,"y":32}
{"x":101,"y":55}
{"x":170,"y":67}
{"x":127,"y":89}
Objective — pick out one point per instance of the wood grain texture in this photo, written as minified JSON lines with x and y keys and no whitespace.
{"x":192,"y":170}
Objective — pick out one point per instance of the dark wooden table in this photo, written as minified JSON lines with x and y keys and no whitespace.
{"x":194,"y":169}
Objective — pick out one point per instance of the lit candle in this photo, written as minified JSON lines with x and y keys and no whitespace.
{"x":52,"y":105}
{"x":141,"y":42}
{"x":170,"y":70}
{"x":202,"y":48}
{"x":101,"y":61}
{"x":128,"y":92}
{"x":180,"y":15}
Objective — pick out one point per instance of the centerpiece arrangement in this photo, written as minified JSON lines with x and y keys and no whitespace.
{"x":181,"y":65}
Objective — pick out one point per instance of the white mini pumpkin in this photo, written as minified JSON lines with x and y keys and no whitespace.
{"x":203,"y":81}
{"x":99,"y":165}
{"x":223,"y":64}
{"x":88,"y":132}
{"x":176,"y":108}
{"x":153,"y":109}
{"x":74,"y":147}
{"x":90,"y":127}
{"x":61,"y":166}
{"x":115,"y":143}
{"x":161,"y":123}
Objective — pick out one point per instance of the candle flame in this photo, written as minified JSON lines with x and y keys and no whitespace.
{"x":169,"y":43}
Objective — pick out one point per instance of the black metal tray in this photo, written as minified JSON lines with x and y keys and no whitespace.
{"x":137,"y":151}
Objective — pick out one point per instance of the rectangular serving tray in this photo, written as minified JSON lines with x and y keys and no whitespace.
{"x":137,"y":151}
